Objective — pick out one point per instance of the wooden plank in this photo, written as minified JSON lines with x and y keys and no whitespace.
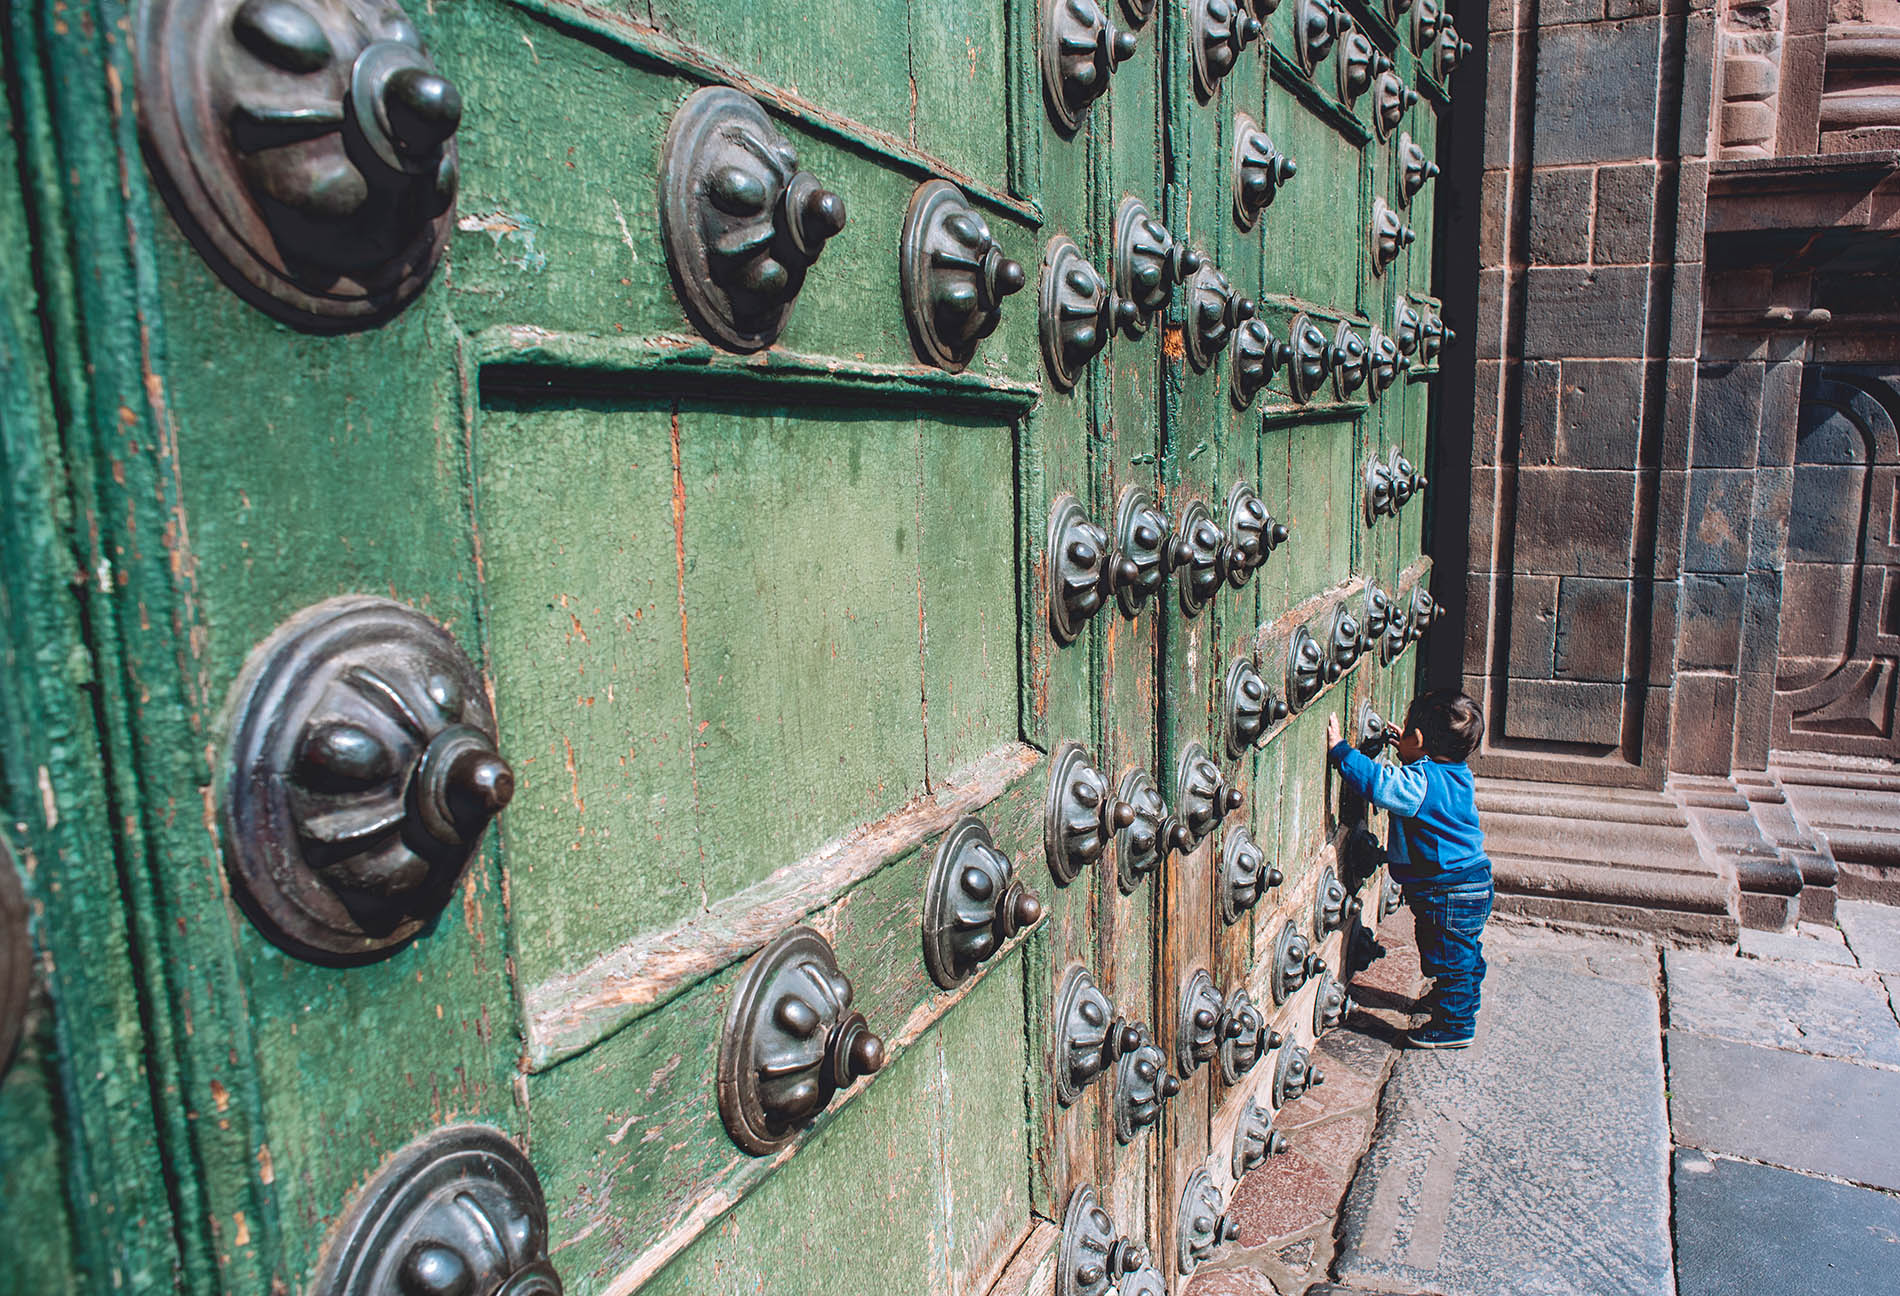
{"x":571,"y":1012}
{"x":627,"y":1136}
{"x":959,"y":57}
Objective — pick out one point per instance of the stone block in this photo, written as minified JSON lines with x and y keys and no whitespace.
{"x":1822,"y":946}
{"x":1560,"y":215}
{"x":1585,"y":314}
{"x":1802,"y":1234}
{"x":1748,"y":76}
{"x":1283,"y":1195}
{"x":1671,"y":514}
{"x":1500,"y":75}
{"x":1488,"y":342}
{"x":1488,"y":384}
{"x":1721,"y":506}
{"x":1658,"y":610}
{"x":1702,"y":731}
{"x":1600,"y":413}
{"x":1825,"y":514}
{"x":1538,"y":395}
{"x":1574,"y":521}
{"x":1553,"y":13}
{"x":1780,"y":413}
{"x":1533,"y":614}
{"x":1711,"y":624}
{"x":1803,"y":60}
{"x":1681,"y":395}
{"x":1481,"y":526}
{"x":1478,"y":587}
{"x":1873,"y":933}
{"x":1494,"y":214}
{"x":1697,"y":65}
{"x":1768,"y":527}
{"x":1755,"y":703}
{"x":1690,"y":210}
{"x":1746,"y":123}
{"x":1568,"y":711}
{"x":1841,"y":1125}
{"x":1631,"y":8}
{"x":1817,"y":610}
{"x":1808,"y":1008}
{"x":1626,"y":211}
{"x":1596,"y":91}
{"x":1592,"y":628}
{"x":1681,"y":286}
{"x":1728,"y":414}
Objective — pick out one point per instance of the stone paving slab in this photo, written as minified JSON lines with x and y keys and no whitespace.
{"x":1808,"y":943}
{"x":1743,"y":1229}
{"x":1788,"y":1005}
{"x":1819,"y":1114}
{"x":1535,"y":1163}
{"x":1873,"y":933}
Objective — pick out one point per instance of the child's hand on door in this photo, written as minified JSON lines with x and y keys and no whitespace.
{"x":1332,"y":731}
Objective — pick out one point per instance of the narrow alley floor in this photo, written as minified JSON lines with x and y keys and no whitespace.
{"x":1632,"y":1121}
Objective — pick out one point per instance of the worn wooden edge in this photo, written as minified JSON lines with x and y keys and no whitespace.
{"x":1317,"y":101}
{"x":1374,"y":23}
{"x":652,"y":45}
{"x":571,"y":1012}
{"x":1031,"y":1268}
{"x":1429,"y":86}
{"x":526,"y":361}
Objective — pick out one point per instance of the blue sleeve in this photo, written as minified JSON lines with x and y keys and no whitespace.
{"x":1399,"y":789}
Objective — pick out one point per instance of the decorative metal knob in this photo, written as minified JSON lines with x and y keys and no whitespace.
{"x":1093,"y":1257}
{"x":1397,"y":9}
{"x":1142,"y":1084}
{"x":1291,"y":952}
{"x":1316,"y":25}
{"x":1200,"y":1024}
{"x":1379,"y":491}
{"x":741,"y":223}
{"x":1245,"y":875}
{"x":1249,"y":708}
{"x":1349,"y":361}
{"x":1450,"y":50}
{"x":973,"y":902}
{"x":1398,"y":633}
{"x":1312,"y":358}
{"x":1145,"y":1281}
{"x":1333,"y":905}
{"x":791,"y":1042}
{"x":1215,"y":310}
{"x":1369,"y":732}
{"x":1077,"y":568}
{"x":1383,"y":361}
{"x":1251,"y":535}
{"x":1090,"y":1037}
{"x":1391,"y":98}
{"x":1424,"y":611}
{"x":1362,"y":948}
{"x":1406,"y":480}
{"x":1343,"y":641}
{"x":1143,"y":846}
{"x":16,"y":958}
{"x":306,"y":148}
{"x":1330,"y":1004}
{"x":1255,"y":1139}
{"x":1244,"y":1036}
{"x":1307,"y":670}
{"x":1149,"y":262}
{"x":1405,"y":326}
{"x":459,"y":1210}
{"x":1202,"y":793}
{"x":360,"y":773}
{"x":1358,"y":63}
{"x":1259,"y":171}
{"x":1222,"y":29}
{"x":1391,"y":898}
{"x":1143,"y":550}
{"x":1196,"y":554}
{"x":1375,"y":614}
{"x":1433,"y":334}
{"x":954,"y":276}
{"x":1080,"y":48}
{"x":1360,"y":857}
{"x":1201,"y":1224}
{"x":1078,"y":311}
{"x":1138,"y":12}
{"x":1415,"y":167}
{"x":1390,"y":236}
{"x":1080,"y":815}
{"x":1294,"y":1074}
{"x":1426,"y":16}
{"x":1257,"y":353}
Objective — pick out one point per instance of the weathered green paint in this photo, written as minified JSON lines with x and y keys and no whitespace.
{"x":755,"y":627}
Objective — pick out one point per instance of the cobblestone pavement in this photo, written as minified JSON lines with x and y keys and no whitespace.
{"x":1630,"y":1121}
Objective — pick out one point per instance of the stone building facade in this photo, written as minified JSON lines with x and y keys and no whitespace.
{"x":1681,"y":600}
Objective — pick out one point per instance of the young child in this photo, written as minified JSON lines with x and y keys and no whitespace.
{"x":1435,"y":850}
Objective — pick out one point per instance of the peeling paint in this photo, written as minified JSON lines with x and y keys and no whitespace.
{"x":513,"y":234}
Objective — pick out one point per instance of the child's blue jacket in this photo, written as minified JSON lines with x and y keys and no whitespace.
{"x":1435,"y":840}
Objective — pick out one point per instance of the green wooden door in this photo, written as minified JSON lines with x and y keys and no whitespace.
{"x":762,"y":605}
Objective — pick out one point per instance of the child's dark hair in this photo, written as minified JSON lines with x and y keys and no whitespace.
{"x":1451,"y":723}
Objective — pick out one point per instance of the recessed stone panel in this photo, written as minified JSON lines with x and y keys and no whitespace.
{"x":1585,"y":313}
{"x":1574,"y":522}
{"x":1625,"y":213}
{"x":1728,"y":414}
{"x":1711,"y":621}
{"x":1600,"y":413}
{"x":1567,"y":711}
{"x":1720,"y":503}
{"x":1592,"y":628}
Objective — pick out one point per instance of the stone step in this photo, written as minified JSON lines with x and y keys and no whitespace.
{"x":1497,"y":796}
{"x":1661,"y":847}
{"x":1833,"y":776}
{"x":1698,"y":891}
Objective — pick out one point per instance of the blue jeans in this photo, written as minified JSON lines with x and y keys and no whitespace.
{"x":1450,"y":922}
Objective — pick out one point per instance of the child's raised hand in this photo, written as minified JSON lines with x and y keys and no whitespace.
{"x":1332,"y":731}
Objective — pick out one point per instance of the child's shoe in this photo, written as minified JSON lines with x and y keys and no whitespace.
{"x":1435,"y":1036}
